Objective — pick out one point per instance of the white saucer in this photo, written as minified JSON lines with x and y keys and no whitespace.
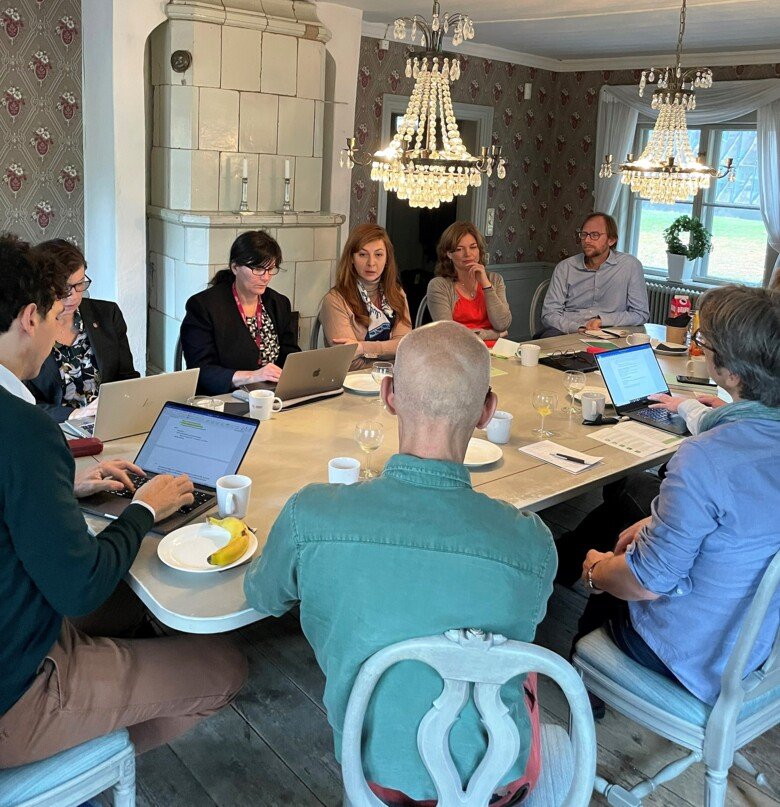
{"x":603,"y":390}
{"x":361,"y":383}
{"x":482,"y":452}
{"x":187,"y":548}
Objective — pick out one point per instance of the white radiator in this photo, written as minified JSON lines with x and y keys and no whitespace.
{"x":660,"y":295}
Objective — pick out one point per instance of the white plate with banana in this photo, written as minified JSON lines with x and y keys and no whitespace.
{"x":217,"y":545}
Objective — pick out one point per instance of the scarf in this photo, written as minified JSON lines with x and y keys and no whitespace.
{"x":379,"y":319}
{"x":740,"y":410}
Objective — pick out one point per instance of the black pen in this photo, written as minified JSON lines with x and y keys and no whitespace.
{"x":571,"y":459}
{"x":612,"y":333}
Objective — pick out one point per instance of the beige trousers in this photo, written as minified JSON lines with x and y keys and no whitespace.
{"x":88,"y":685}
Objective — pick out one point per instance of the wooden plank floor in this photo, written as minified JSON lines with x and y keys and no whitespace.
{"x":274,"y":745}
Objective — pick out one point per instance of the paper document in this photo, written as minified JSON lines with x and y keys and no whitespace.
{"x":637,"y":439}
{"x":504,"y":348}
{"x":604,"y":344}
{"x":494,"y":371}
{"x":614,"y":333}
{"x":546,"y":450}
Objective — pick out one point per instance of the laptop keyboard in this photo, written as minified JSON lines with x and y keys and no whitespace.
{"x":201,"y":497}
{"x":655,"y":414}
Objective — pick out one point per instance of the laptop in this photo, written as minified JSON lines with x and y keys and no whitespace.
{"x":202,"y":443}
{"x":130,"y":407}
{"x":308,"y":376}
{"x":631,"y":374}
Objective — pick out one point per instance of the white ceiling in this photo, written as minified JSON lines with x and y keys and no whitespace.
{"x":576,"y":34}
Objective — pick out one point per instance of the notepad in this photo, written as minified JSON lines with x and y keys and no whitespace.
{"x":504,"y":348}
{"x":546,"y":451}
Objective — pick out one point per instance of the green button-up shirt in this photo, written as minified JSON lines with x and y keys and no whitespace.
{"x":412,"y":553}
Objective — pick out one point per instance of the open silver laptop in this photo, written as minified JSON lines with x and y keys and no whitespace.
{"x":131,"y":407}
{"x":308,"y":376}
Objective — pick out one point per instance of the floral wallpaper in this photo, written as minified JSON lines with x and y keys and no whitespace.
{"x":549,"y":142}
{"x":41,"y":139}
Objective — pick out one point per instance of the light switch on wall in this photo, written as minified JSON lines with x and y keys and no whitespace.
{"x":491,"y":217}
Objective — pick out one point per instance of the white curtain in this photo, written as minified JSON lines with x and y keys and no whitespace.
{"x":614,"y":135}
{"x":619,"y":108}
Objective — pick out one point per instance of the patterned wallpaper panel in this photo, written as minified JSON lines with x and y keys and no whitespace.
{"x":41,"y":147}
{"x":549,"y":141}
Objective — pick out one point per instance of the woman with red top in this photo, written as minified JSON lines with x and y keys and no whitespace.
{"x":463,"y":289}
{"x":240,"y":331}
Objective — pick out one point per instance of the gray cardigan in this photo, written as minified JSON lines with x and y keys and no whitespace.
{"x":442,"y":297}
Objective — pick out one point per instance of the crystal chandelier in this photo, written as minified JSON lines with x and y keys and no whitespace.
{"x":426,"y":161}
{"x":667,"y":171}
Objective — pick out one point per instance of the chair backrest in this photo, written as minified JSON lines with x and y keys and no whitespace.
{"x":422,"y":310}
{"x":178,"y":356}
{"x":316,"y":332}
{"x":462,"y":657}
{"x":535,"y":313}
{"x":735,"y":687}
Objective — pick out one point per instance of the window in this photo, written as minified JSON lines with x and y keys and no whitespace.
{"x":729,"y":210}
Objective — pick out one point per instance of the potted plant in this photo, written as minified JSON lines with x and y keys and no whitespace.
{"x":680,"y":257}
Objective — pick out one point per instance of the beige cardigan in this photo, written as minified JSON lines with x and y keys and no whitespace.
{"x":442,"y":297}
{"x":338,"y":322}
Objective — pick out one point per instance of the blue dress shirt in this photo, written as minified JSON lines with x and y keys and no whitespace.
{"x":615,"y":292}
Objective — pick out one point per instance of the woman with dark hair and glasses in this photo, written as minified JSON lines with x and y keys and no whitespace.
{"x":91,"y":346}
{"x":240,"y":331}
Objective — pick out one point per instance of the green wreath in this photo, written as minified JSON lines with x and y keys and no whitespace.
{"x":700,"y":241}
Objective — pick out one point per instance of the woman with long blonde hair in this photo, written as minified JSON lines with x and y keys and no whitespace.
{"x":367,"y":307}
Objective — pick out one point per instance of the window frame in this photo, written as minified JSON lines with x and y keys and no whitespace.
{"x":702,"y":205}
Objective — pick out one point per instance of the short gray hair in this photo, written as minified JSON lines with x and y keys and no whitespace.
{"x":741,"y":325}
{"x":442,"y":372}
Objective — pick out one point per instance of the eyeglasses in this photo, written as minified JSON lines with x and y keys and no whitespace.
{"x":582,"y":235}
{"x":268,"y":268}
{"x":79,"y":287}
{"x":700,"y":341}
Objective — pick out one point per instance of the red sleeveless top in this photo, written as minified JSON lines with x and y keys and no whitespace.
{"x":473,"y":313}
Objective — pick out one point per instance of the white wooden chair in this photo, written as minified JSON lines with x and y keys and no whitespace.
{"x":422,"y":310}
{"x":535,"y":311}
{"x":73,"y":776}
{"x":463,"y":657}
{"x":746,"y":707}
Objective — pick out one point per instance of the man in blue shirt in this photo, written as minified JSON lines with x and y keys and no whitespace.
{"x":597,"y":288}
{"x":412,"y":553}
{"x":690,"y":570}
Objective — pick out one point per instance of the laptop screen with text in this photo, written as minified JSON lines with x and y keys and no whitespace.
{"x":631,"y":374}
{"x":201,"y":443}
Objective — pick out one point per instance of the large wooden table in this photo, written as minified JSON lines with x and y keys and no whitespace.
{"x":293,"y":448}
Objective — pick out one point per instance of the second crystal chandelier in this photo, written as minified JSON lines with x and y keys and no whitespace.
{"x":426,"y":162}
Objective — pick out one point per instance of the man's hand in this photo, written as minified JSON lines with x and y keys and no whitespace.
{"x":166,"y":494}
{"x":591,"y":559}
{"x":593,"y":324}
{"x":628,"y":536}
{"x":269,"y":372}
{"x":668,"y":402}
{"x":88,"y":411}
{"x":106,"y":475}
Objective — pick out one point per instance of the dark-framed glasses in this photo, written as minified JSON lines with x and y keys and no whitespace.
{"x":79,"y":287}
{"x":584,"y":235}
{"x":268,"y":268}
{"x":699,"y":340}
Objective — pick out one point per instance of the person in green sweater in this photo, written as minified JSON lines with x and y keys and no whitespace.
{"x":59,"y":685}
{"x":412,"y":553}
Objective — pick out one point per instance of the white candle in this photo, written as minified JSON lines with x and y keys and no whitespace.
{"x":286,"y":169}
{"x":245,"y":175}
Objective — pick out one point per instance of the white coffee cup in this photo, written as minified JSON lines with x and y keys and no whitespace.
{"x":529,"y":355}
{"x":262,"y":402}
{"x":233,"y":493}
{"x":637,"y":339}
{"x":343,"y":471}
{"x":204,"y":402}
{"x":593,"y":405}
{"x":499,"y":427}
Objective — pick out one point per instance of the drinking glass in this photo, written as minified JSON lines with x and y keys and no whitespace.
{"x":544,"y":402}
{"x":379,"y":369}
{"x":369,"y":436}
{"x":574,"y":381}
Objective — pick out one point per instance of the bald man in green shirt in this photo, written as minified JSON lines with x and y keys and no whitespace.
{"x":412,"y":553}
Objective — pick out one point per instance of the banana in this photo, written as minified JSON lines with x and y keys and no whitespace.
{"x":235,"y":547}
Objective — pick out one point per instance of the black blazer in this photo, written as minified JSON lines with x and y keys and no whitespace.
{"x":107,"y":332}
{"x":215,"y":338}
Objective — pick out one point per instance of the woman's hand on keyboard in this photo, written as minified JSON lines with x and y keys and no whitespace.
{"x":667,"y":402}
{"x":165,"y":494}
{"x":106,"y":475}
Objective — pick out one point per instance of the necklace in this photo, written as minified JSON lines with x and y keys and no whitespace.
{"x":470,"y":294}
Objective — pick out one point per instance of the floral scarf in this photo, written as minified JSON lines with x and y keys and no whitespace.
{"x":380,"y":322}
{"x":79,"y":374}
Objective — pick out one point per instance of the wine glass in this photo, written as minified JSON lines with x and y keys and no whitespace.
{"x":379,"y":369}
{"x":369,"y":436}
{"x":574,"y":381}
{"x":544,"y":402}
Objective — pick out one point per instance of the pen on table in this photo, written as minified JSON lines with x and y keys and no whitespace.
{"x":613,"y":333}
{"x":570,"y":458}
